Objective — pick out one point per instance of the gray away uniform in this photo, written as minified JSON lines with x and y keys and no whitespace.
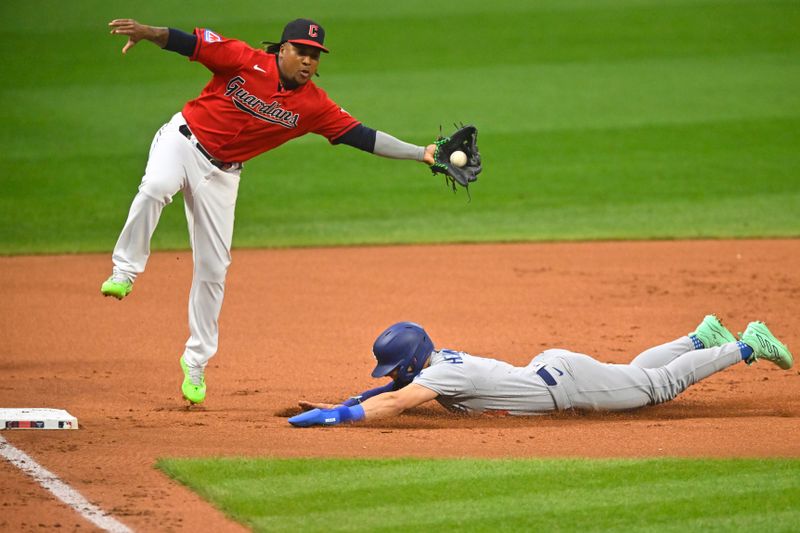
{"x":560,"y":379}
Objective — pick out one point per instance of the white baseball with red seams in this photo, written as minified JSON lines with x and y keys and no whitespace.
{"x":458,"y":158}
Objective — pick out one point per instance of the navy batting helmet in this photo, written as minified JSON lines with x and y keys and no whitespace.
{"x":404,"y":346}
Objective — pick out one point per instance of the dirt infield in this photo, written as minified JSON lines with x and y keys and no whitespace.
{"x":298,"y":324}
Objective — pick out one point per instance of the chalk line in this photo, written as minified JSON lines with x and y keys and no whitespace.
{"x":60,"y":490}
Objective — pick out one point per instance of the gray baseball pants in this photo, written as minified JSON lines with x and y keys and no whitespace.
{"x":655,"y":376}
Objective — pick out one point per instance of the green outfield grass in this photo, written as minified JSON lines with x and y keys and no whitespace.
{"x":599,"y":119}
{"x":499,"y":495}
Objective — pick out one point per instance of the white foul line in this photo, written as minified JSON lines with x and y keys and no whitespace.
{"x":61,"y":490}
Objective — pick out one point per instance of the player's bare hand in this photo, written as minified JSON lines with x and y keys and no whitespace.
{"x":129,"y":27}
{"x":310,"y":405}
{"x":428,"y":157}
{"x":136,"y":32}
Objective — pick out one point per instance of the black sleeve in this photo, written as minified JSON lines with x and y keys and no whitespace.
{"x":183,"y":43}
{"x":361,"y":137}
{"x":391,"y":386}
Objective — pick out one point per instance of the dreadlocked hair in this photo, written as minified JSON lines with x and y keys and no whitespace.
{"x":272,"y":48}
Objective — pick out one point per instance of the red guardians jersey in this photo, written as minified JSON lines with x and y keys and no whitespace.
{"x":245,"y":111}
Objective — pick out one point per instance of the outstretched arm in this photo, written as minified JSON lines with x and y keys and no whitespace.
{"x":385,"y":145}
{"x":137,"y":32}
{"x":381,"y":406}
{"x":353,"y":400}
{"x":389,"y":146}
{"x":393,"y":403}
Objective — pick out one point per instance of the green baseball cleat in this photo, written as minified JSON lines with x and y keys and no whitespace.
{"x":194,"y":383}
{"x":117,"y":287}
{"x":766,"y":346}
{"x":712,"y":333}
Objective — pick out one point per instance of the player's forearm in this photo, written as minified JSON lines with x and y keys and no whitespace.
{"x":382,"y":144}
{"x":391,"y":147}
{"x":138,"y":32}
{"x":366,"y":395}
{"x":156,"y":35}
{"x":381,"y":406}
{"x":384,"y":405}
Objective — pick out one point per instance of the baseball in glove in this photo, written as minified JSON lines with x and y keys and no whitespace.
{"x":465,"y":139}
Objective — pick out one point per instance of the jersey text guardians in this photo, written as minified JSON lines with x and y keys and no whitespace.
{"x":257,"y":107}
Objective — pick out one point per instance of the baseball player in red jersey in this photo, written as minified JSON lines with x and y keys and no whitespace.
{"x":256,"y":100}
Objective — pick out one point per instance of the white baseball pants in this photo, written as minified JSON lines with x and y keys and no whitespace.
{"x":656,"y":375}
{"x":209,"y":195}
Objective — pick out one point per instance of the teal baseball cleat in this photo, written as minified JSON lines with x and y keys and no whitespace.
{"x":766,"y":346}
{"x":712,"y":333}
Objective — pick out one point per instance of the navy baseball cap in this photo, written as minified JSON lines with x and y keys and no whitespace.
{"x":304,"y":31}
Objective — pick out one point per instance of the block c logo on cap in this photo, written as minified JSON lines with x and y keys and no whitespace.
{"x":313,"y":30}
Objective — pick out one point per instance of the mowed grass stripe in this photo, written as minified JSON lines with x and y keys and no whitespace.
{"x":611,"y":119}
{"x":666,"y":181}
{"x":713,"y":179}
{"x":579,"y":32}
{"x":510,"y":99}
{"x":291,"y":477}
{"x":536,"y":98}
{"x":355,"y":495}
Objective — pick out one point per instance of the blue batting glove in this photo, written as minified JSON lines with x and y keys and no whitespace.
{"x":313,"y":417}
{"x":328,"y":417}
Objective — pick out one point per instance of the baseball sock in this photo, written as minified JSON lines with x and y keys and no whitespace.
{"x":698,"y":344}
{"x":746,"y":350}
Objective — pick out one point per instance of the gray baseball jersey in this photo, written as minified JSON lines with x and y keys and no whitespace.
{"x":560,"y":379}
{"x":476,"y":384}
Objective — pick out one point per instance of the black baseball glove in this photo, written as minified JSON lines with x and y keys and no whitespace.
{"x":466,"y":140}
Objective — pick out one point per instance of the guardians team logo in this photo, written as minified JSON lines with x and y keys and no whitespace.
{"x":255,"y":106}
